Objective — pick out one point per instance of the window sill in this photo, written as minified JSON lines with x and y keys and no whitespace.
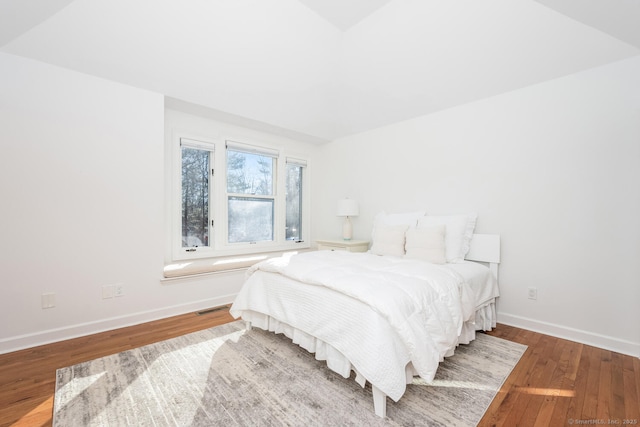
{"x":200,"y":267}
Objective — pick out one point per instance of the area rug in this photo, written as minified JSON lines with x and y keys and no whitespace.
{"x":228,"y":376}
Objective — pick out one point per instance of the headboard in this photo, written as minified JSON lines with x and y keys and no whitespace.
{"x":485,"y":248}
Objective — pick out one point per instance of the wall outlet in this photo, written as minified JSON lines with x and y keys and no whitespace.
{"x":108,"y":291}
{"x":48,"y":300}
{"x":118,"y":290}
{"x":112,"y":291}
{"x":533,"y":293}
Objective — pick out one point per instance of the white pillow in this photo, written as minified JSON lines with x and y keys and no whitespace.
{"x":389,"y":240}
{"x":459,"y":231}
{"x":426,"y":244}
{"x":410,"y":219}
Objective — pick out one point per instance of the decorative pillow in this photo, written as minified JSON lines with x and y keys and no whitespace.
{"x":459,"y":231}
{"x":409,"y":219}
{"x":426,"y":244}
{"x":389,"y":240}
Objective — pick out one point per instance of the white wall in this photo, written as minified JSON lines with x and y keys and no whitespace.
{"x":82,"y":190}
{"x":82,"y":184}
{"x":553,"y":168}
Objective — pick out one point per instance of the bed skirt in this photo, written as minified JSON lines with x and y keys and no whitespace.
{"x":336,"y":361}
{"x":485,"y":320}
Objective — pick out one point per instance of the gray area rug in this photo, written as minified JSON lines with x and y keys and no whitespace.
{"x":228,"y":376}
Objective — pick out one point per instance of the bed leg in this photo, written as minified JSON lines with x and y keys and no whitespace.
{"x":379,"y":402}
{"x":248,"y":324}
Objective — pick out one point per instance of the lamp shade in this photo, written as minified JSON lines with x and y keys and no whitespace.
{"x":348,"y":207}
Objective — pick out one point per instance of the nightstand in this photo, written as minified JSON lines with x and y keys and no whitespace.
{"x":343,"y":245}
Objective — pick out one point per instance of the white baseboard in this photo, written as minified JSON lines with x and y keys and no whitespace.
{"x":49,"y":336}
{"x":60,"y":334}
{"x":571,"y":334}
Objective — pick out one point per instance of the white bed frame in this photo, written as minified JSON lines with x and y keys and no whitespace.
{"x":484,"y":248}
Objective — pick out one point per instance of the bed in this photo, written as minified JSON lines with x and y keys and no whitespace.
{"x":385,"y":315}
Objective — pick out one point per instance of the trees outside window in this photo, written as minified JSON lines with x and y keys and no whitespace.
{"x":256,"y":204}
{"x":293,"y":188}
{"x":250,"y":197}
{"x":195,"y":196}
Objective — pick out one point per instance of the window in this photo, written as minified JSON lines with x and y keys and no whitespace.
{"x":196,"y":161}
{"x":293,"y":188}
{"x":249,"y":199}
{"x":250,"y":194}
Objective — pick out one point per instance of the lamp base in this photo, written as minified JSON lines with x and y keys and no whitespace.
{"x":347,"y":229}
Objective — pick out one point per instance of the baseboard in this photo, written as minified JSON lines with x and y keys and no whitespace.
{"x":49,"y":336}
{"x":577,"y":335}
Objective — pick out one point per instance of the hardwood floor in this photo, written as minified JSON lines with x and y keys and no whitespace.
{"x":556,"y":383}
{"x":559,"y":383}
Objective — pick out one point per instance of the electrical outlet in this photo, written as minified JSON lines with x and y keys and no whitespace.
{"x":108,"y":291}
{"x":118,"y":290}
{"x":48,"y":300}
{"x":533,"y":293}
{"x":112,"y":291}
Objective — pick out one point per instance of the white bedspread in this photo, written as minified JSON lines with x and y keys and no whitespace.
{"x":391,"y":310}
{"x":481,"y":280}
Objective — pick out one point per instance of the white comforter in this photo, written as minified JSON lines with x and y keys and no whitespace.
{"x":421,"y":307}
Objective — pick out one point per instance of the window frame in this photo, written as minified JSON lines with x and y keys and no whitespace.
{"x":178,"y":251}
{"x":218,"y":199}
{"x":247,"y":149}
{"x":302,"y":164}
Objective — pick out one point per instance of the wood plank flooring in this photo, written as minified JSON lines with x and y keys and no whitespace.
{"x":556,"y":383}
{"x":560,"y":383}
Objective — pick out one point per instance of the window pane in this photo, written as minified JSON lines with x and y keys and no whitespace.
{"x":249,"y":173}
{"x":195,"y":197}
{"x":250,"y":219}
{"x":294,"y":202}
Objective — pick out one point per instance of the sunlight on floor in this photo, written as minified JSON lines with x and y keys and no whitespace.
{"x":78,"y":385}
{"x":475,"y":386}
{"x":26,"y":420}
{"x":140,"y":375}
{"x":194,"y":361}
{"x":545,"y":391}
{"x":452,"y":384}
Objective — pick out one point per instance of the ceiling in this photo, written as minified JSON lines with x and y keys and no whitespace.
{"x":318,"y":70}
{"x":344,"y":14}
